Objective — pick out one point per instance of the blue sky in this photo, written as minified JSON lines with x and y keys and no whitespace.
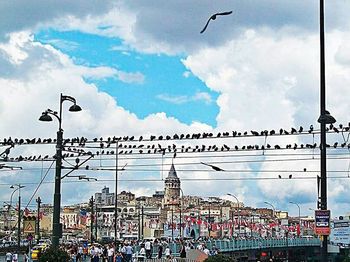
{"x":167,"y":85}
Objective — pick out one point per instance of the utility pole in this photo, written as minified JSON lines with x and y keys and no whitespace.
{"x":56,"y":225}
{"x":172,"y":221}
{"x":325,"y":118}
{"x":91,"y":219}
{"x":19,"y":221}
{"x":220,"y":221}
{"x":96,"y":218}
{"x":139,"y":227}
{"x":209,"y":218}
{"x":37,"y":228}
{"x":116,"y":194}
{"x":142,"y":235}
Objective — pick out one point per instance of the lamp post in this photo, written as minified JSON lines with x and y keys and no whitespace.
{"x":273,"y":208}
{"x":298,"y":212}
{"x":116,"y":195}
{"x":273,"y":212}
{"x":209,"y":218}
{"x":238,"y":211}
{"x":37,"y":225}
{"x":56,"y":227}
{"x":325,"y":118}
{"x":19,"y":215}
{"x":181,"y":202}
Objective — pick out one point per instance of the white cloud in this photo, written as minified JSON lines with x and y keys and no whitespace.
{"x":187,"y":74}
{"x":182,"y":99}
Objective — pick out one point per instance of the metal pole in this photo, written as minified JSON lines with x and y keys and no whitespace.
{"x":220,"y":221}
{"x":142,"y":235}
{"x":37,"y":235}
{"x":172,"y":222}
{"x":300,"y":226}
{"x":273,"y":213}
{"x":181,"y":202}
{"x":323,"y":152}
{"x":9,"y":209}
{"x":139,"y":228}
{"x":92,"y":219}
{"x":239,"y":214}
{"x":298,"y":213}
{"x":96,"y":218}
{"x":209,"y":220}
{"x":57,"y":195}
{"x":116,"y":194}
{"x":19,"y":221}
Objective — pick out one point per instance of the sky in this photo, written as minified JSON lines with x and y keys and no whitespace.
{"x":142,"y":67}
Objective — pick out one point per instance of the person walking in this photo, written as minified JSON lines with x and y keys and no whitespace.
{"x":15,"y":257}
{"x":110,"y":253}
{"x":167,"y":252}
{"x":8,"y":256}
{"x":129,"y":252}
{"x":142,"y":254}
{"x":148,"y":247}
{"x":160,"y":251}
{"x":183,"y":250}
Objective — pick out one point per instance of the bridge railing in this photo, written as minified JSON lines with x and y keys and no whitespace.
{"x":244,"y":244}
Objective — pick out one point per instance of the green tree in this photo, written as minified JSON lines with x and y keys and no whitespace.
{"x":54,"y":254}
{"x":218,"y":258}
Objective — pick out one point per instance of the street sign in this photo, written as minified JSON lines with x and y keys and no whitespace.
{"x":29,"y":226}
{"x":322,"y":222}
{"x":340,"y":234}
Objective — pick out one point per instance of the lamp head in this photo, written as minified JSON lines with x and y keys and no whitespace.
{"x":326,"y":118}
{"x":45,"y":117}
{"x":12,"y":187}
{"x":75,"y":108}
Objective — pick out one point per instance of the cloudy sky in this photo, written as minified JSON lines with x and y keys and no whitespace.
{"x":142,"y":67}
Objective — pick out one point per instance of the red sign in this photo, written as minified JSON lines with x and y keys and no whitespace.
{"x":322,"y":222}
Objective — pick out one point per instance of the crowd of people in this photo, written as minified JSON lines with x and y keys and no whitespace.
{"x":130,"y":251}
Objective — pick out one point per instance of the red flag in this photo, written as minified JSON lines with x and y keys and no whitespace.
{"x":298,"y":230}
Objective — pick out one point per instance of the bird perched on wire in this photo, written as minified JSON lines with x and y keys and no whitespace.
{"x":213,"y":17}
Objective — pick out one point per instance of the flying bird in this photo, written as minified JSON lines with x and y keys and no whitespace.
{"x":213,"y":167}
{"x":213,"y":17}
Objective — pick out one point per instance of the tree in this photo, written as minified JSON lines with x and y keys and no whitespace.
{"x":54,"y":254}
{"x":218,"y":258}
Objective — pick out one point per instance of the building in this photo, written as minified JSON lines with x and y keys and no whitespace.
{"x":172,"y":188}
{"x":104,"y":198}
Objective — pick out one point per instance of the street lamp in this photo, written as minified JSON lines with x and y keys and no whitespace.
{"x":273,"y":212}
{"x":298,"y":211}
{"x":19,"y":214}
{"x":238,"y":211}
{"x":181,"y":202}
{"x":273,"y":209}
{"x":56,"y":228}
{"x":209,"y":218}
{"x":325,"y":118}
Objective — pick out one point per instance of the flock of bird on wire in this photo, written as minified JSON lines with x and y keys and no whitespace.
{"x":125,"y":145}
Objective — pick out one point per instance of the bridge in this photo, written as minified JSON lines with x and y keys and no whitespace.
{"x":250,"y":245}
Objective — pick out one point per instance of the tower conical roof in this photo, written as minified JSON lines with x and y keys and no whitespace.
{"x":172,"y":172}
